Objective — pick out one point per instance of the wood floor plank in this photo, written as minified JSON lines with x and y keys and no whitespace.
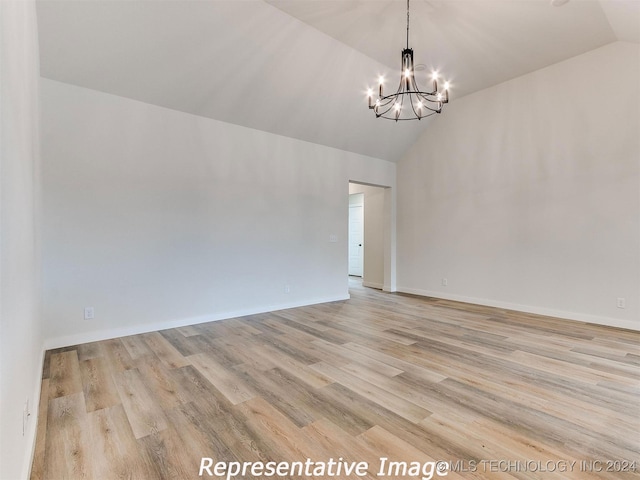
{"x":245,"y":354}
{"x":394,"y":448}
{"x":97,"y":384}
{"x":292,"y":346}
{"x":115,"y":452}
{"x":233,"y":351}
{"x":333,"y":402}
{"x":187,"y":331}
{"x":293,"y":366}
{"x":118,"y":357}
{"x":38,"y":465}
{"x":268,"y":385}
{"x":345,"y":355}
{"x":220,"y":351}
{"x":136,"y":347}
{"x":158,"y":379}
{"x":166,"y":453}
{"x":405,"y":367}
{"x":88,"y":351}
{"x":227,"y":381}
{"x":556,"y":431}
{"x":179,"y":342}
{"x":64,"y":374}
{"x":46,"y":365}
{"x":289,"y":441}
{"x":67,"y":446}
{"x":341,"y":444}
{"x":243,"y":328}
{"x":570,"y":369}
{"x":404,"y":408}
{"x":163,"y":349}
{"x":507,"y":443}
{"x":217,"y":419}
{"x":197,"y":434}
{"x":143,"y":412}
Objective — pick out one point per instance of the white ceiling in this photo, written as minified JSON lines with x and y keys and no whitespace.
{"x":300,"y":68}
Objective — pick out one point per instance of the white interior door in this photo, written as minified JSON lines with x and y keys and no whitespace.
{"x":356,"y":238}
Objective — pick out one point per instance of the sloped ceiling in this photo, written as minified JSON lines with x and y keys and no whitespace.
{"x":300,"y":68}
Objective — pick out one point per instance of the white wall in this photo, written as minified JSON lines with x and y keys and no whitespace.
{"x":374,"y":234}
{"x":158,"y":218}
{"x":20,"y":325}
{"x":526,"y":195}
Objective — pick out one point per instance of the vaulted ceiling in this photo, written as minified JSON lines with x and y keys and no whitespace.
{"x":300,"y":68}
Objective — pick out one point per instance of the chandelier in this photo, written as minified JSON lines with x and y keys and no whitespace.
{"x":409,"y":102}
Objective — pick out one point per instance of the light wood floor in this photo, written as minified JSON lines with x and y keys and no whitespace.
{"x":380,"y":375}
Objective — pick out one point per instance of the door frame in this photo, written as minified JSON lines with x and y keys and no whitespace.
{"x":389,"y":212}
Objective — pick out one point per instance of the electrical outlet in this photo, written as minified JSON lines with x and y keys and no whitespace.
{"x":25,"y":417}
{"x":445,"y":282}
{"x":622,"y":303}
{"x":333,"y":238}
{"x":287,"y":289}
{"x":88,"y":313}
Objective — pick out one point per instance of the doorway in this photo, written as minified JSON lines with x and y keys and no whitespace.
{"x":370,"y":242}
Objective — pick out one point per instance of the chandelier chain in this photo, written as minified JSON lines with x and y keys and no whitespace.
{"x":407,"y":23}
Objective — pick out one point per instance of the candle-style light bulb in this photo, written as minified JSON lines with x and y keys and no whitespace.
{"x":380,"y":81}
{"x":434,"y":76}
{"x":370,"y":95}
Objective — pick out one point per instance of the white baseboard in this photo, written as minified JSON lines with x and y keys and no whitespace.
{"x":580,"y":317}
{"x":96,"y":336}
{"x":67,"y":340}
{"x":379,"y":286}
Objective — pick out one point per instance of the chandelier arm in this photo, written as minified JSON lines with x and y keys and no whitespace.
{"x":432,"y":113}
{"x":426,"y":105}
{"x":384,"y":101}
{"x":406,"y":119}
{"x":414,"y":84}
{"x":386,"y":111}
{"x":413,"y":107}
{"x":390,"y":98}
{"x":400,"y":89}
{"x":425,"y":94}
{"x":428,"y":97}
{"x":388,"y":116}
{"x":407,"y":92}
{"x":399,"y":110}
{"x":434,"y":110}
